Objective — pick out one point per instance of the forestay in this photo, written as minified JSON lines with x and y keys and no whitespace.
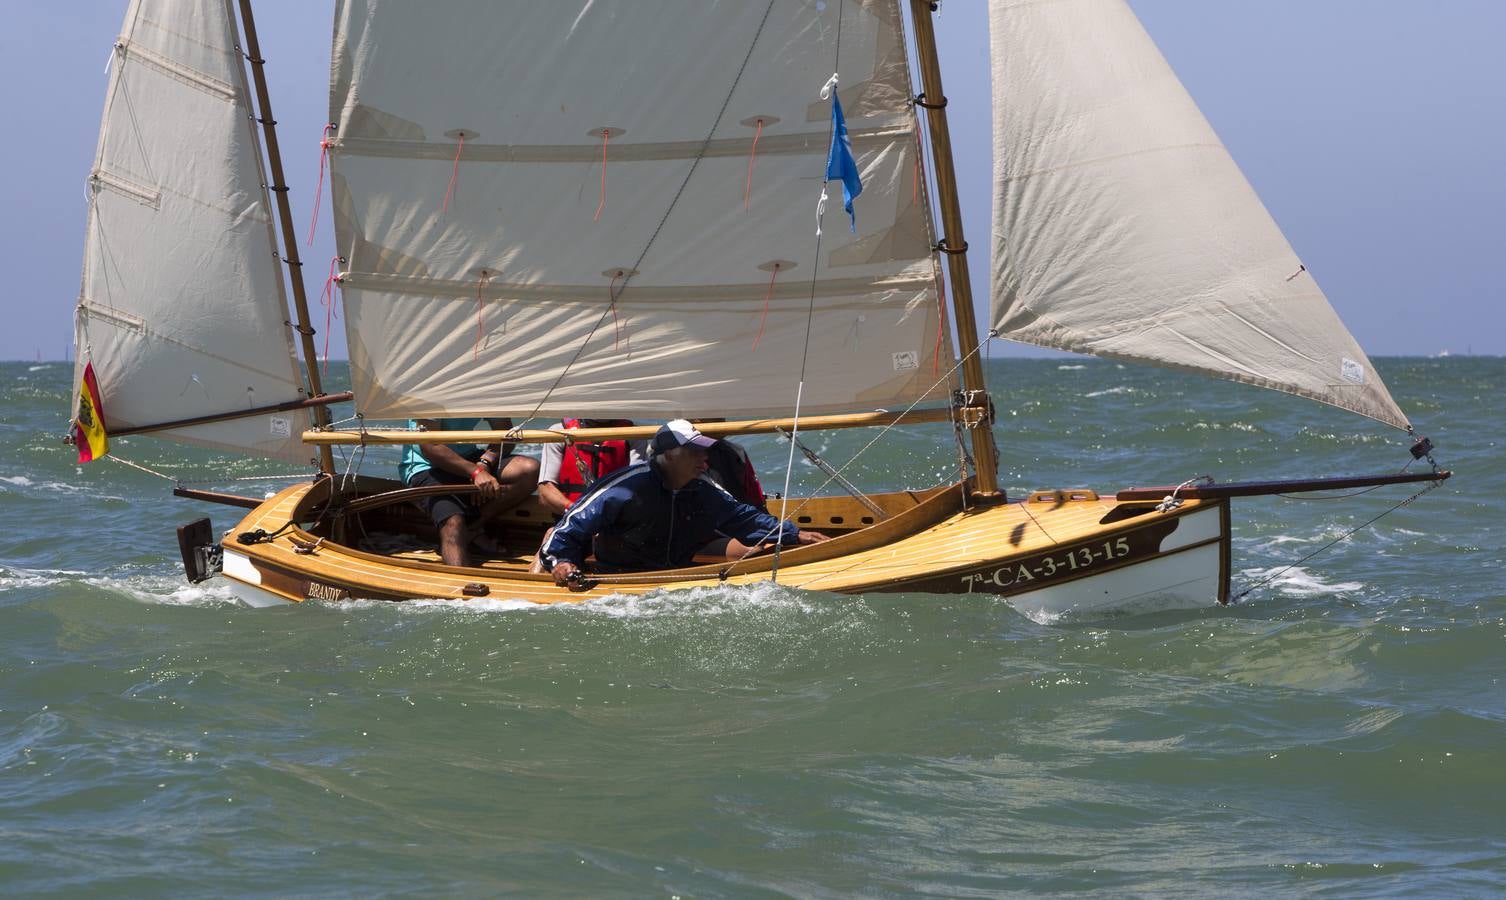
{"x":1123,"y":228}
{"x":485,"y":236}
{"x":181,"y":308}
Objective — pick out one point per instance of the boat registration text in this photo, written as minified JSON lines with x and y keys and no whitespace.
{"x":1051,"y":565}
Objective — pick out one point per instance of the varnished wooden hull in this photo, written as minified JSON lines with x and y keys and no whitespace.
{"x":1052,"y":553}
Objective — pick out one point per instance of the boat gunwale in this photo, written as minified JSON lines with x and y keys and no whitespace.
{"x":930,"y":507}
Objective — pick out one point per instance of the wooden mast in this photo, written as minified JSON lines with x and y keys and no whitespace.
{"x":279,"y":189}
{"x":977,"y":409}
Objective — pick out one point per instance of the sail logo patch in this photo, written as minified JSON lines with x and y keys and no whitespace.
{"x":1352,"y":372}
{"x":906,"y":360}
{"x":282,"y":427}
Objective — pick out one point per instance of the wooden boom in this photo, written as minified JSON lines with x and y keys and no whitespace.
{"x":627,"y":432}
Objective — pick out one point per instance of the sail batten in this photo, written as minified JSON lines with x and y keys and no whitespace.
{"x":599,"y":210}
{"x":1124,"y":229}
{"x":181,"y":310}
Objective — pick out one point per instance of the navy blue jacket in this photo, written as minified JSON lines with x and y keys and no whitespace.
{"x":631,"y":520}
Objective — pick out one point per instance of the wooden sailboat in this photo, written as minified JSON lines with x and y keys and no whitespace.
{"x":591,"y":212}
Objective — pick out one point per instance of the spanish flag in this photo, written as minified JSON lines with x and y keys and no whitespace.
{"x":89,"y":425}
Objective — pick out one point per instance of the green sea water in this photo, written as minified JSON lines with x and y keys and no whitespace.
{"x":1341,"y":731}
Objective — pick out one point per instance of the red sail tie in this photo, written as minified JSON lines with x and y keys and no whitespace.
{"x":606,"y":134}
{"x":480,"y":312}
{"x":449,"y":191}
{"x":752,"y":155}
{"x":767,"y":294}
{"x":327,"y":300}
{"x":319,"y":191}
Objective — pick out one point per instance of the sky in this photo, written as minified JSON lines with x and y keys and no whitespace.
{"x":1374,"y":131}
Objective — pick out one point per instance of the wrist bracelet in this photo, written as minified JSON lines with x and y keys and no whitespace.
{"x":476,"y":471}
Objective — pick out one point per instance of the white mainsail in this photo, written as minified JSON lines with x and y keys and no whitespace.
{"x":476,"y":273}
{"x":181,"y":308}
{"x":1123,"y":228}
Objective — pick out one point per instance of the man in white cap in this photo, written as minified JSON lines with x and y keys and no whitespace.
{"x":661,"y":514}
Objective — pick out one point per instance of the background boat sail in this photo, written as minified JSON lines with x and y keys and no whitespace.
{"x":588,"y":212}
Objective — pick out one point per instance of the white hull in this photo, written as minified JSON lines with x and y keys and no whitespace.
{"x":243,"y":579}
{"x":1186,"y":580}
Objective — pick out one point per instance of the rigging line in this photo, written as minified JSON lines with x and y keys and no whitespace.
{"x":963,"y":459}
{"x":1367,"y":490}
{"x":612,"y":305}
{"x":1343,"y":537}
{"x":885,"y":430}
{"x":295,"y":476}
{"x":138,"y":466}
{"x":810,"y":309}
{"x":674,"y":201}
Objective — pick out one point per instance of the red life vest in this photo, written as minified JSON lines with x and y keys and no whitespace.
{"x":583,"y":463}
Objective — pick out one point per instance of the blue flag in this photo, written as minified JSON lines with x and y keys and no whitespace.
{"x":839,"y":162}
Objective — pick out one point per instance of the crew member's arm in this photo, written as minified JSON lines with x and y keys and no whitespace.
{"x":442,"y":457}
{"x":551,"y":457}
{"x":570,"y":543}
{"x":751,"y":525}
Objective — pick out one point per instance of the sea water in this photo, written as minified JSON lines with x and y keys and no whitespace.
{"x":1340,"y":731}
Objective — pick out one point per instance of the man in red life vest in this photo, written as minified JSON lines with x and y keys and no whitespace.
{"x":567,"y":470}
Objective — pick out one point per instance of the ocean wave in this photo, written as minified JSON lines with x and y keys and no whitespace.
{"x":167,"y":590}
{"x":59,"y":487}
{"x":1299,"y":581}
{"x":701,"y":602}
{"x":1120,"y":389}
{"x":1070,"y":368}
{"x":14,"y":577}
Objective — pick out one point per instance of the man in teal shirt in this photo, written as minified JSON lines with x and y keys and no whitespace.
{"x":503,"y":480}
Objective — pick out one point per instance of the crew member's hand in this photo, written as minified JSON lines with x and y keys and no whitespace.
{"x":813,"y":537}
{"x":562,"y":573}
{"x":488,"y":484}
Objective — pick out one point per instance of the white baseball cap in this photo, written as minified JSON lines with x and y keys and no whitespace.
{"x":678,"y":433}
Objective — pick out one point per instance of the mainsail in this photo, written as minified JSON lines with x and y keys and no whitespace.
{"x":181,"y":308}
{"x":1123,"y":228}
{"x":603,"y":207}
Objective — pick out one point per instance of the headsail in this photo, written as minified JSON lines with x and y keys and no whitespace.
{"x":1123,"y":228}
{"x":181,"y":309}
{"x":502,"y":172}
